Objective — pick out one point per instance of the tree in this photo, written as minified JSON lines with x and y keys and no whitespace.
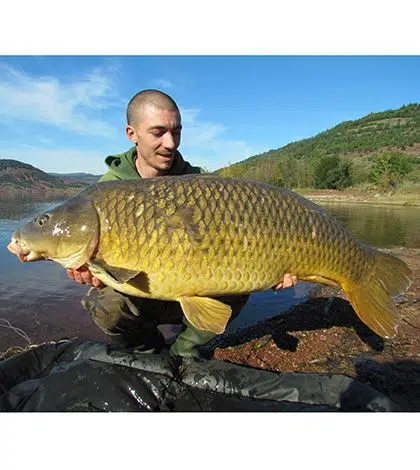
{"x":332,"y":172}
{"x":389,"y":169}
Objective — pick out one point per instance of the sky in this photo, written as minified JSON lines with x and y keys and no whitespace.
{"x":67,"y":113}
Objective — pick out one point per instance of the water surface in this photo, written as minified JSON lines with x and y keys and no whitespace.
{"x":380,"y":226}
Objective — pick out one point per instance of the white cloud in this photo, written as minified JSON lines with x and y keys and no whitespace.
{"x":44,"y":140}
{"x":198,"y":133}
{"x":71,"y":106}
{"x":227,"y":152}
{"x":201,"y":134}
{"x":205,"y":143}
{"x":189,"y":115}
{"x":222,"y":153}
{"x":163,"y":83}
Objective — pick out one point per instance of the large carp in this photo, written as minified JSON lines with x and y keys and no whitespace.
{"x":191,"y":238}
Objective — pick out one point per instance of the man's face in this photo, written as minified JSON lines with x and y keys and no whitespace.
{"x":157,"y":135}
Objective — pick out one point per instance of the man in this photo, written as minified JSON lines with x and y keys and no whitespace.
{"x":154,"y":127}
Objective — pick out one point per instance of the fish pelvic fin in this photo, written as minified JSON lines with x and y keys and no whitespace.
{"x":321,"y":279}
{"x":206,"y":314}
{"x":372,"y":298}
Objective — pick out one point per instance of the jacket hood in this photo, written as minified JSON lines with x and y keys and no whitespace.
{"x":123,"y":166}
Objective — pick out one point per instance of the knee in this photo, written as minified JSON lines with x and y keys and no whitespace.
{"x":105,"y":307}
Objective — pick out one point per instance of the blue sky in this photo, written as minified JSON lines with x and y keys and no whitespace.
{"x":67,"y":113}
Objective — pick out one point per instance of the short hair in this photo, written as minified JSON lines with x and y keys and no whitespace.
{"x":144,"y":98}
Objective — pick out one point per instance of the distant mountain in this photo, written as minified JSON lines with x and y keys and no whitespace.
{"x":21,"y":179}
{"x":357,"y":142}
{"x":87,"y":178}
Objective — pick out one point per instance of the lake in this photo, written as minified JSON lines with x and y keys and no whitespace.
{"x":39,"y":298}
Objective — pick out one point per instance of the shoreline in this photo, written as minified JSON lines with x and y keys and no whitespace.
{"x":357,"y":197}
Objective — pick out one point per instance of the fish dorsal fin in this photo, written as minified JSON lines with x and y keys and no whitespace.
{"x":206,"y":314}
{"x":119,"y":275}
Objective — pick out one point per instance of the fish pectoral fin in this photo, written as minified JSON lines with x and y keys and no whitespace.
{"x":322,"y":280}
{"x":119,"y":275}
{"x":206,"y":314}
{"x":122,"y":275}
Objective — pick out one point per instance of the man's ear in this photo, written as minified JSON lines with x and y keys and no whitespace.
{"x":131,"y":134}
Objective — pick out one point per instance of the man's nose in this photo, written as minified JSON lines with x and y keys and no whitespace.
{"x":169,"y":141}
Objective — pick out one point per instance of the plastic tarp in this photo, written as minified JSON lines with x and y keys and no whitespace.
{"x":89,"y":376}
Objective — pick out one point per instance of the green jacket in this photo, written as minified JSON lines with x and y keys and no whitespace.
{"x":123,"y":166}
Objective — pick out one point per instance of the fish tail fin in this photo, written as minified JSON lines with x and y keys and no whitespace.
{"x":371,"y":296}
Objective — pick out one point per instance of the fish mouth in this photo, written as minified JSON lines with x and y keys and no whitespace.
{"x":22,"y":251}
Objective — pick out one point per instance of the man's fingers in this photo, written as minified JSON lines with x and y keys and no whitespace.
{"x":78,"y":277}
{"x":288,"y":281}
{"x":97,"y":283}
{"x":87,"y":277}
{"x":83,"y":276}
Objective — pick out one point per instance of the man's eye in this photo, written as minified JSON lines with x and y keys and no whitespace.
{"x":157,"y":133}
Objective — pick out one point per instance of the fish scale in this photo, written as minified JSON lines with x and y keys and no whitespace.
{"x":192,"y":238}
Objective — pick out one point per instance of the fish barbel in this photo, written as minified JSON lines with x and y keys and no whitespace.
{"x":191,"y":238}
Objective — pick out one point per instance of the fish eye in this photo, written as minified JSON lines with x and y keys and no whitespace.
{"x":41,"y":220}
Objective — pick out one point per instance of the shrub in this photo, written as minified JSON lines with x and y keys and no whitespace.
{"x":389,"y":169}
{"x":332,"y":172}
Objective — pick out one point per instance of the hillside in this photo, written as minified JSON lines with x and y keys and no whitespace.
{"x":18,"y":179}
{"x":86,"y":178}
{"x":380,"y":149}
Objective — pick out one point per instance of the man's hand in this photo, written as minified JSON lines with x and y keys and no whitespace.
{"x":82,"y":275}
{"x":288,"y":281}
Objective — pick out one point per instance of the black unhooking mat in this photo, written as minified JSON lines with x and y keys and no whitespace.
{"x":89,"y":376}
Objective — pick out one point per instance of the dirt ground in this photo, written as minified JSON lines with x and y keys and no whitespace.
{"x":324,"y":335}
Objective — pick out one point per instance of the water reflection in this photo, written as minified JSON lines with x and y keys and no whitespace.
{"x":380,"y":226}
{"x":20,"y":207}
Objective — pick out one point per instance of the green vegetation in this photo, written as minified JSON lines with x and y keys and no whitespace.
{"x":380,"y":150}
{"x":389,"y":169}
{"x":332,"y":172}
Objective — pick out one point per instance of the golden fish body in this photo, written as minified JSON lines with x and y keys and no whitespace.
{"x":190,"y":238}
{"x":207,"y":237}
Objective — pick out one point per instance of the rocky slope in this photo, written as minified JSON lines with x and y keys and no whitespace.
{"x":18,"y":179}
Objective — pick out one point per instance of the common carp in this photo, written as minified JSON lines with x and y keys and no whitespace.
{"x":191,"y":238}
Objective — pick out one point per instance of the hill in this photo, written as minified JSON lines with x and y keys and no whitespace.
{"x":86,"y":178}
{"x":18,"y":179}
{"x":381,"y":149}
